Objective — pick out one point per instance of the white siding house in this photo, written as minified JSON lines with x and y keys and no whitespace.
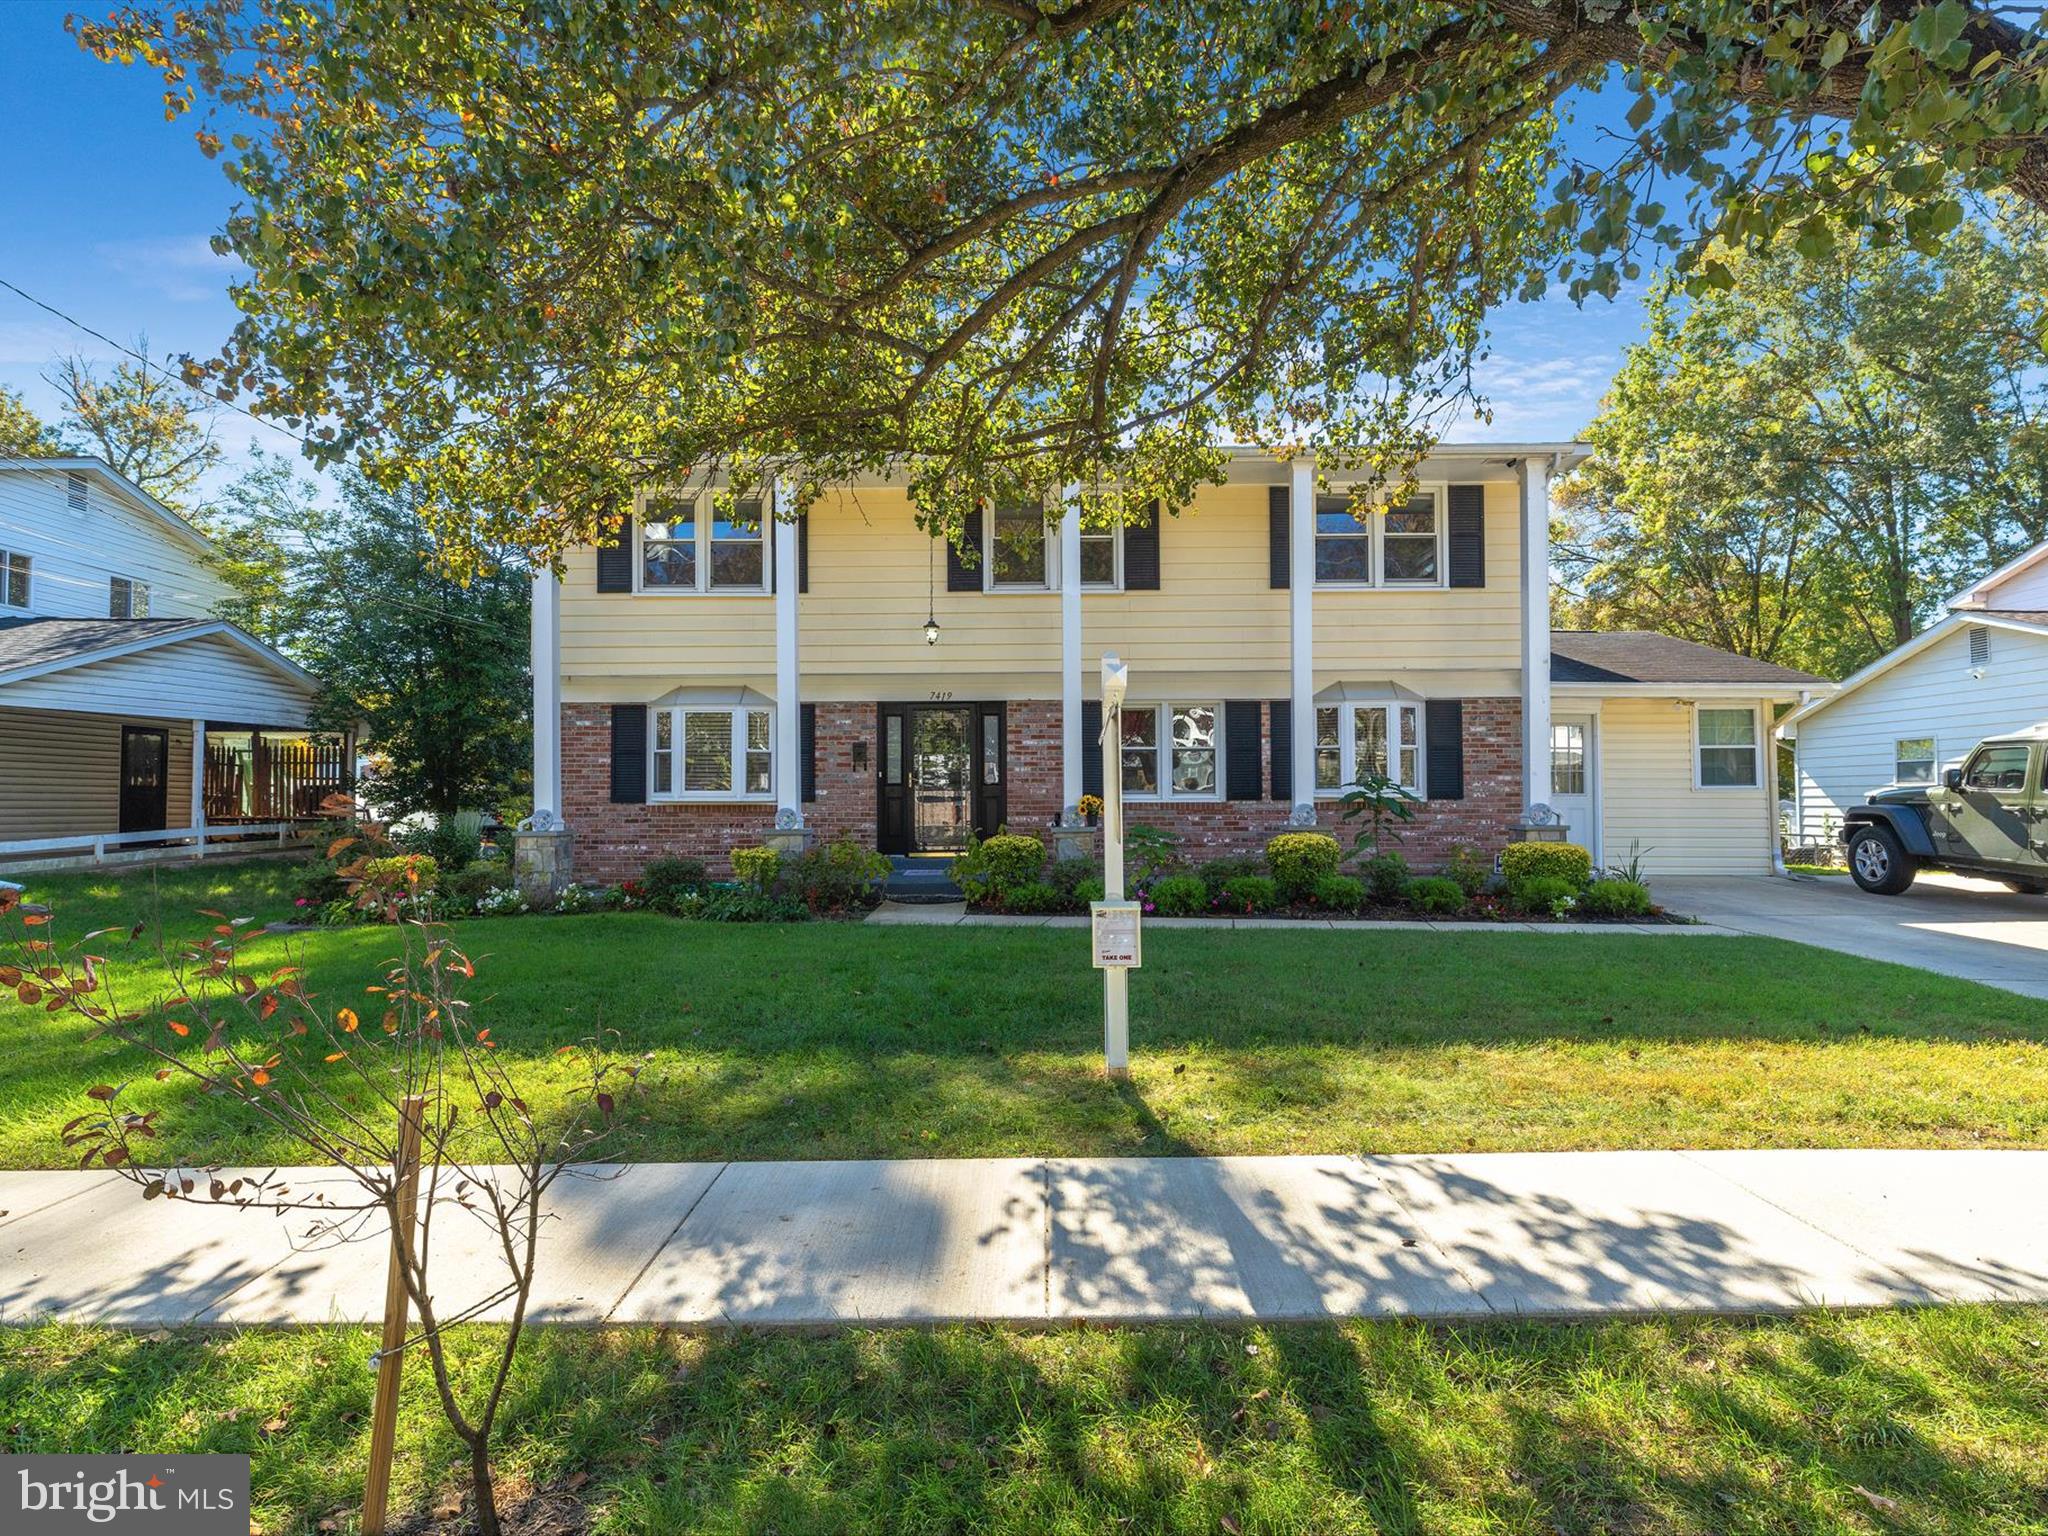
{"x":127,"y":708}
{"x":1982,"y":670}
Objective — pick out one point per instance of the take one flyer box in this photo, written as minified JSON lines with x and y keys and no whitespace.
{"x":1115,"y":927}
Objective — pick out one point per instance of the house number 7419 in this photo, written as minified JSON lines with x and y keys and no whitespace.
{"x":942,"y":694}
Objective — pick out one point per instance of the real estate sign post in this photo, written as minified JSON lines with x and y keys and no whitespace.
{"x":1113,"y":926}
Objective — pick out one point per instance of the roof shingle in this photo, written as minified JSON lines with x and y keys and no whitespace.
{"x":35,"y":642}
{"x":1643,"y":656}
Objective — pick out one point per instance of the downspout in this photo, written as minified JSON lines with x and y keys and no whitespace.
{"x":1777,"y":843}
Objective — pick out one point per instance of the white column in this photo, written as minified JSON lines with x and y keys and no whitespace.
{"x":198,"y":776}
{"x":1301,"y":631}
{"x":1071,"y":744}
{"x":789,"y":786}
{"x":547,"y":698}
{"x":1533,"y":475}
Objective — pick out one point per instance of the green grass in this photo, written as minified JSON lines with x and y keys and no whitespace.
{"x":838,"y":1040}
{"x":1816,"y":869}
{"x":1682,"y":1426}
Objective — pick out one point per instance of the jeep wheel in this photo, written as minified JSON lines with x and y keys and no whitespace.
{"x":2027,"y":887}
{"x":1877,"y":863}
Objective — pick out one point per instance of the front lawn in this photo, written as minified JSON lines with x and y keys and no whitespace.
{"x":843,"y":1040}
{"x":1928,"y":1421}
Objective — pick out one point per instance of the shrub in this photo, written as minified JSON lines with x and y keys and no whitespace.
{"x":745,"y":904}
{"x":1470,"y":871}
{"x":1035,"y":897}
{"x":1385,"y":876}
{"x":1180,"y":895}
{"x":1150,"y":852}
{"x":1298,"y":860}
{"x":992,"y":867}
{"x":1251,"y":893}
{"x":1544,"y":894}
{"x":1218,"y":873}
{"x":576,"y":898}
{"x":318,"y":883}
{"x":1090,"y":890}
{"x":1339,"y":893}
{"x":667,"y":881}
{"x":469,"y":885}
{"x":757,"y":867}
{"x":396,"y":884}
{"x":1067,"y":875}
{"x":502,"y":902}
{"x":1521,"y":862}
{"x":839,"y":876}
{"x":1615,"y":898}
{"x":1437,"y":893}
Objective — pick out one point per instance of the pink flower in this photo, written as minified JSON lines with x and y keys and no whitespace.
{"x":301,"y":902}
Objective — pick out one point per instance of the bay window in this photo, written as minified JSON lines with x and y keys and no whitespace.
{"x":1355,"y":742}
{"x":1725,"y":749}
{"x":690,"y":544}
{"x":701,"y":753}
{"x":1169,"y":751}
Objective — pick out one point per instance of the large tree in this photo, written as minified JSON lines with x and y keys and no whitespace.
{"x":434,"y":669}
{"x":531,"y":253}
{"x":23,"y":434}
{"x":141,"y":420}
{"x":1800,"y":467}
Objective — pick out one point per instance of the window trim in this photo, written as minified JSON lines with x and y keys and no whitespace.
{"x":1375,"y":530}
{"x":704,"y":517}
{"x":1115,"y":534}
{"x":138,"y":597}
{"x":1347,"y":742}
{"x":28,"y":578}
{"x":1047,"y":553}
{"x":677,"y":714}
{"x":1162,"y":750}
{"x":1756,"y":750}
{"x":1933,"y":759}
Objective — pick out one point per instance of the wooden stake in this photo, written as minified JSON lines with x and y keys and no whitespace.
{"x":391,"y":1359}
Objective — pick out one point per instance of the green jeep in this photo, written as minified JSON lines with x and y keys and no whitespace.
{"x":1988,"y":817}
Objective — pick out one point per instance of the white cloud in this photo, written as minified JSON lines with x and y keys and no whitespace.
{"x":181,"y":268}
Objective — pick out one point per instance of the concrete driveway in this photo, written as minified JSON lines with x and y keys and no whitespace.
{"x":1974,"y":929}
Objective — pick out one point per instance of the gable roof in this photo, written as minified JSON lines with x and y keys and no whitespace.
{"x":113,"y":480}
{"x":2026,"y":621}
{"x":1974,"y":592}
{"x":1639,"y":657}
{"x":36,"y":647}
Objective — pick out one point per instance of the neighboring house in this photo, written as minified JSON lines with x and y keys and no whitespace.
{"x":1661,"y":750}
{"x":126,"y":707}
{"x":701,"y":680}
{"x":1981,"y":670}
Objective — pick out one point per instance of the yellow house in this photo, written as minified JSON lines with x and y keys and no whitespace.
{"x":702,"y":681}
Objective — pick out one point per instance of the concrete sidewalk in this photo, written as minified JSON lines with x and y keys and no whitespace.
{"x":1052,"y":1240}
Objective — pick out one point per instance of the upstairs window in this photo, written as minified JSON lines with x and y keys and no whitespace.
{"x":1017,"y":546}
{"x":1100,"y":556}
{"x":1726,"y":748}
{"x":1408,"y":542}
{"x":126,"y":598}
{"x":1343,"y":541}
{"x":711,"y":754}
{"x":13,"y":579}
{"x":1913,"y":760}
{"x":1170,"y":745}
{"x":1355,"y":742}
{"x":1381,"y":545}
{"x":693,"y":544}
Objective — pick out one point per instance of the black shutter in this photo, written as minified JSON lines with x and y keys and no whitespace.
{"x":1280,"y":718}
{"x":1241,"y":749}
{"x":1468,"y":535}
{"x":615,"y":560}
{"x":1277,"y":518}
{"x":803,"y":551}
{"x":1443,"y":724}
{"x":808,"y":748}
{"x":1141,"y":554}
{"x":629,"y":754}
{"x":960,"y":576}
{"x":1091,"y":747}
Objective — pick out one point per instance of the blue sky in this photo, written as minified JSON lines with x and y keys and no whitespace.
{"x":110,"y":208}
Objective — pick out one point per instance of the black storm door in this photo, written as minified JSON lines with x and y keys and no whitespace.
{"x":145,"y":778}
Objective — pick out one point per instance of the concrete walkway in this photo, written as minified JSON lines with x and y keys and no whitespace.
{"x":1042,"y":1241}
{"x":1974,"y":929}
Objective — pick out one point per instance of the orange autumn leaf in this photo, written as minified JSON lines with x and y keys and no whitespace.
{"x":259,"y":1077}
{"x":348,"y":1021}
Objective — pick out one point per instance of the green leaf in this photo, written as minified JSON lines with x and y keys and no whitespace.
{"x":1936,"y":26}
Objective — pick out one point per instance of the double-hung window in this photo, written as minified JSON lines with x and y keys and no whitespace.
{"x":127,"y":598}
{"x":711,"y":754}
{"x":1726,"y":747}
{"x":13,"y":579}
{"x":1357,"y":742}
{"x":1169,"y":751}
{"x":1017,"y":546}
{"x":1913,"y":760}
{"x":1381,"y":545}
{"x":703,"y":544}
{"x":1102,"y":556}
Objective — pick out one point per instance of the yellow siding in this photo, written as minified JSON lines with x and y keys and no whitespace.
{"x":1646,"y":774}
{"x":655,"y":643}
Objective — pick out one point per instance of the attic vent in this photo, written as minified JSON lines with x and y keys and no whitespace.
{"x":1980,"y":645}
{"x":74,"y":489}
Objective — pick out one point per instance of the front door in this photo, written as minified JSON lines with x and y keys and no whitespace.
{"x":145,"y":778}
{"x":1572,"y":775}
{"x":939,"y":773}
{"x":1987,"y":820}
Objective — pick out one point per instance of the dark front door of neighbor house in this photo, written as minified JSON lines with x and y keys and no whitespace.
{"x":939,"y":769}
{"x":145,"y":778}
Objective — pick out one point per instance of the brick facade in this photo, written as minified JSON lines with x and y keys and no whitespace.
{"x":615,"y":842}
